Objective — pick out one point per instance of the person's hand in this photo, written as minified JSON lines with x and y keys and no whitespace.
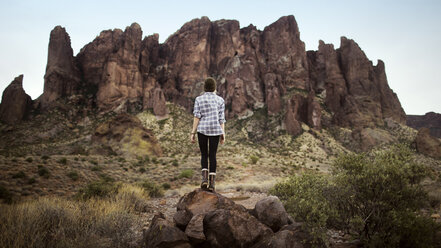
{"x":222,"y":139}
{"x":193,"y":138}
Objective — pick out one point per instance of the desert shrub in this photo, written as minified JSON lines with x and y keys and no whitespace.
{"x":29,"y":160}
{"x":187,"y":173}
{"x":96,"y":168}
{"x":62,"y":161}
{"x":43,"y":171}
{"x":304,"y":197}
{"x":376,"y":197}
{"x":254,"y":159}
{"x":102,"y":188}
{"x":175,"y":163}
{"x":166,"y":186}
{"x":19,"y":174}
{"x":45,"y":157}
{"x":132,"y":198}
{"x":142,"y":169}
{"x":32,"y":180}
{"x":56,"y":222}
{"x":73,"y":175}
{"x":5,"y":194}
{"x":152,"y":188}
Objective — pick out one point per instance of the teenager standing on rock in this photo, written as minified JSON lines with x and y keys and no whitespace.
{"x":208,"y":124}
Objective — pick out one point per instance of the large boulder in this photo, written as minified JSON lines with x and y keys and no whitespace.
{"x":201,"y":202}
{"x":163,"y":234}
{"x":427,"y":144}
{"x":212,"y":220}
{"x":15,"y":103}
{"x":271,"y":212}
{"x":233,"y":228}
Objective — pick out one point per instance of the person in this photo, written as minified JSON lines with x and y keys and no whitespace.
{"x":209,"y":125}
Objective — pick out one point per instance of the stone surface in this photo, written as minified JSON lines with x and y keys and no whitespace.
{"x":427,"y":144}
{"x":201,"y":202}
{"x":15,"y":103}
{"x":162,"y":234}
{"x":270,"y":211}
{"x":233,"y":228}
{"x":62,"y":77}
{"x":430,"y":120}
{"x":195,"y":229}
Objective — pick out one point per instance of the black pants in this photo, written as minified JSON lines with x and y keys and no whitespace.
{"x":208,"y":146}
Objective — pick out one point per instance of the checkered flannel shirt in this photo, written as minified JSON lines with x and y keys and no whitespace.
{"x":210,"y":109}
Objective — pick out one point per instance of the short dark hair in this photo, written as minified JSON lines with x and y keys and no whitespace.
{"x":210,"y":84}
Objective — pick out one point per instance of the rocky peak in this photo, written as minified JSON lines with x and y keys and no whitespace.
{"x":254,"y":69}
{"x":62,"y":77}
{"x":15,"y":103}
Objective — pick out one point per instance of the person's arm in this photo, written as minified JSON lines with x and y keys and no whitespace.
{"x":197,"y":117}
{"x":194,"y":130}
{"x":222,"y":121}
{"x":222,"y":138}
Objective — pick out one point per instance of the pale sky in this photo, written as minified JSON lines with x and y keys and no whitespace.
{"x":405,"y":34}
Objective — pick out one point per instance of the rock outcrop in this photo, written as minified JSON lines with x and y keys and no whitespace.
{"x":62,"y":77}
{"x":427,"y":144}
{"x":356,"y":92}
{"x":118,"y":64}
{"x":269,"y":69}
{"x":430,"y":120}
{"x":15,"y":103}
{"x":206,"y":219}
{"x":125,"y":134}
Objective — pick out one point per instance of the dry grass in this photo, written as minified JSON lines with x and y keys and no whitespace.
{"x":58,"y":222}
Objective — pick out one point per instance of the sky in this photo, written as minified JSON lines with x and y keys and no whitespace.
{"x":405,"y":34}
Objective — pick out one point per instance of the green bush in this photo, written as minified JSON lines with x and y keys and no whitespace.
{"x":153,"y":189}
{"x":73,"y":175}
{"x":175,"y":163}
{"x":45,"y":157}
{"x":102,"y":188}
{"x":96,"y":168}
{"x":32,"y":180}
{"x":166,"y":186}
{"x":187,"y":173}
{"x":254,"y":159}
{"x":19,"y":174}
{"x":62,"y":161}
{"x":43,"y":171}
{"x":377,"y":197}
{"x":5,"y":194}
{"x":305,"y":199}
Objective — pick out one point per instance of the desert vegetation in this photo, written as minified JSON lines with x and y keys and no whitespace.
{"x":105,"y":214}
{"x":376,"y":198}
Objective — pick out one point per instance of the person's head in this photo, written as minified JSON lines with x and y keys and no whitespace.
{"x":210,"y":84}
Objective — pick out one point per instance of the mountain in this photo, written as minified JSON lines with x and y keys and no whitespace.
{"x":255,"y":69}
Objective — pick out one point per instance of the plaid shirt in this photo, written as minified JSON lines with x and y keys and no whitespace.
{"x":210,"y":109}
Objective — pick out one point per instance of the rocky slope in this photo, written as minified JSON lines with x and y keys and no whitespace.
{"x":256,"y":69}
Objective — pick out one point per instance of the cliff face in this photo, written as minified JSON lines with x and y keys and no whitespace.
{"x":254,"y":69}
{"x":430,"y":120}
